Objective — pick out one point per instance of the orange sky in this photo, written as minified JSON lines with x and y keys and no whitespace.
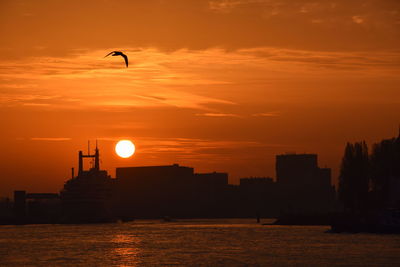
{"x":216,"y":85}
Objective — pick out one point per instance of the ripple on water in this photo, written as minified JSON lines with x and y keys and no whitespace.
{"x":229,"y":242}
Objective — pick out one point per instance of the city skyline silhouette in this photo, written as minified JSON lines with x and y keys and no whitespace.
{"x":91,"y":195}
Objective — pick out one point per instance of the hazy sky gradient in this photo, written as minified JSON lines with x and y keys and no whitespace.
{"x":216,"y":85}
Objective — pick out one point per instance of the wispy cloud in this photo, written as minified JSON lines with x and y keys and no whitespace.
{"x":204,"y":80}
{"x":358,"y":19}
{"x":228,"y":5}
{"x":50,"y":138}
{"x":373,"y":62}
{"x":88,"y":80}
{"x":218,"y":115}
{"x":231,"y":115}
{"x":266,"y":114}
{"x":196,"y":147}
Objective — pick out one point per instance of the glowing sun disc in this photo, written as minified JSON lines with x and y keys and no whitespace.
{"x":125,"y":148}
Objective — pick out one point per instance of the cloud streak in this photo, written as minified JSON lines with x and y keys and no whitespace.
{"x":195,"y":146}
{"x":266,"y":114}
{"x":218,"y":115}
{"x":57,"y":139}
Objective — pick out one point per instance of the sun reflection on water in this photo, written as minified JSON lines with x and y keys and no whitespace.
{"x":126,"y":249}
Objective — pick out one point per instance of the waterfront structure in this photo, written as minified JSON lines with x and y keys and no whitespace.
{"x":35,"y":207}
{"x":305,"y":187}
{"x":256,"y":181}
{"x":259,"y":197}
{"x":87,"y":197}
{"x":301,"y":187}
{"x":154,"y":191}
{"x":174,"y":191}
{"x":212,"y":181}
{"x":170,"y":190}
{"x":297,"y":169}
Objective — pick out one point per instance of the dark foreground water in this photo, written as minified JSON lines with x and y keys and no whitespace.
{"x":192,"y":243}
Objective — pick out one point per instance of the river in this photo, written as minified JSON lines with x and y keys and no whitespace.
{"x":211,"y":242}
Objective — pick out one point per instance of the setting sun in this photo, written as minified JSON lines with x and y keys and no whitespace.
{"x":125,"y":148}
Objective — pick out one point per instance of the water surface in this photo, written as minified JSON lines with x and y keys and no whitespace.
{"x":219,"y":242}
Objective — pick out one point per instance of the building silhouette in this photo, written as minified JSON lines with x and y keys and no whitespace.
{"x":174,"y":191}
{"x":259,"y":197}
{"x":170,"y":190}
{"x":303,"y":185}
{"x":301,"y":170}
{"x":154,"y":191}
{"x":36,"y":207}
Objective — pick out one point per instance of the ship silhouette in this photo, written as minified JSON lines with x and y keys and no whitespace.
{"x":87,"y":197}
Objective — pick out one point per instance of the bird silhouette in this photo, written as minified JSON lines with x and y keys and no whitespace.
{"x":119,"y":53}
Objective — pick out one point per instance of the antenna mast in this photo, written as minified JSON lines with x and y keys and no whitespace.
{"x":97,"y":158}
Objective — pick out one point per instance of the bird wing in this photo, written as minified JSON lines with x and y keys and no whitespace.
{"x":126,"y":59}
{"x":110,"y":53}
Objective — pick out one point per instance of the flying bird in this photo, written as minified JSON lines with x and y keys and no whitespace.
{"x":119,"y":53}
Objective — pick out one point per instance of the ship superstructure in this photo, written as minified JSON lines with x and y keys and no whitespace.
{"x":87,"y":197}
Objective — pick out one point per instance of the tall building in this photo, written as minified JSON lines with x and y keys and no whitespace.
{"x":304,"y":186}
{"x":296,"y":169}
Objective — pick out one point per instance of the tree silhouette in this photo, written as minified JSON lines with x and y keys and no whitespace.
{"x":354,"y":178}
{"x":368,"y":183}
{"x":385,"y":171}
